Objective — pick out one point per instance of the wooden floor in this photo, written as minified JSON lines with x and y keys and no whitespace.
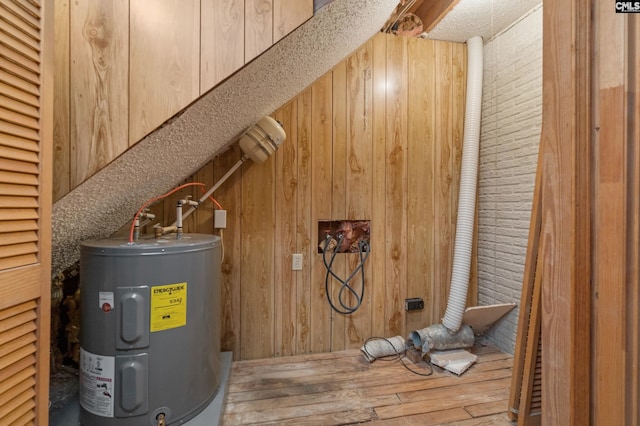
{"x":342,"y":388}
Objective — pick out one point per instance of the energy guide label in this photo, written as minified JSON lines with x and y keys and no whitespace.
{"x":97,"y":383}
{"x":168,"y":306}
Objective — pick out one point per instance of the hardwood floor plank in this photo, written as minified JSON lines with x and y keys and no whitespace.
{"x":455,"y":391}
{"x":494,"y":365}
{"x":359,"y":415}
{"x":497,"y":420}
{"x":278,"y":414}
{"x":377,"y":374}
{"x":493,"y":357}
{"x":343,"y":388}
{"x":440,"y":383}
{"x":349,"y":393}
{"x":485,"y":355}
{"x":438,"y":417}
{"x":441,"y":402}
{"x":339,"y":376}
{"x":486,"y":409}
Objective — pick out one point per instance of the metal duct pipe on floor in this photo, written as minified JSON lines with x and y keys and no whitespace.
{"x":438,"y":337}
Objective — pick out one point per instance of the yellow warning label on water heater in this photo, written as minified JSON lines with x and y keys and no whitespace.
{"x":168,"y":306}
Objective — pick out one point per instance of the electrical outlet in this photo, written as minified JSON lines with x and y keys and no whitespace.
{"x":413,"y":304}
{"x":296,"y":262}
{"x":219,"y":219}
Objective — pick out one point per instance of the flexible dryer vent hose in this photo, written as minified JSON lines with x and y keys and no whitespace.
{"x":468,"y":182}
{"x":380,"y":348}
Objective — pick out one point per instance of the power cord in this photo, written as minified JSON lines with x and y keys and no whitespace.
{"x":363,"y":247}
{"x":396,"y":356}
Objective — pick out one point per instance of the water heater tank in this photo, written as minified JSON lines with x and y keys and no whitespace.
{"x":150,"y":329}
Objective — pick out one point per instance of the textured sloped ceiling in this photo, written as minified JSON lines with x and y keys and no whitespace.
{"x":484,"y":18}
{"x":108,"y":200}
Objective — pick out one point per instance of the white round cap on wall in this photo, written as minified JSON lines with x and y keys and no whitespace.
{"x":263,"y":139}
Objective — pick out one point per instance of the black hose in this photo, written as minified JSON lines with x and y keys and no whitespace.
{"x":363,"y":247}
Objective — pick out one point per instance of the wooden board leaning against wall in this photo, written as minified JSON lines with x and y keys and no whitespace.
{"x":377,"y":138}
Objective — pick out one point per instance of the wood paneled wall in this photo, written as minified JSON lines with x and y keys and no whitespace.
{"x":378,"y":138}
{"x":124,"y":67}
{"x":590,"y":215}
{"x":615,"y":278}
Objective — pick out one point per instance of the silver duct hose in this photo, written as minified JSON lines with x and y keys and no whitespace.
{"x":437,"y":337}
{"x":468,"y":183}
{"x":380,"y":348}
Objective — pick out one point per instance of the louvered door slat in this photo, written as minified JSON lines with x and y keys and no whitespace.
{"x":16,"y":130}
{"x":15,"y":261}
{"x":19,"y":119}
{"x":536,"y":394}
{"x":14,"y":32}
{"x":17,"y":406}
{"x":18,"y":214}
{"x":19,"y":107}
{"x":12,"y":344}
{"x":24,"y":190}
{"x":17,"y":309}
{"x":17,"y":356}
{"x":18,"y":237}
{"x":27,"y":419}
{"x":20,"y":319}
{"x":31,"y":7}
{"x":12,"y":202}
{"x":17,"y":371}
{"x":17,"y":332}
{"x":19,"y":59}
{"x":24,"y":19}
{"x":18,"y":154}
{"x":18,"y":143}
{"x":18,"y":368}
{"x":18,"y":225}
{"x":17,"y":385}
{"x":23,"y":415}
{"x":19,"y":47}
{"x":18,"y":388}
{"x":18,"y":249}
{"x":17,"y":376}
{"x":16,"y":74}
{"x":18,"y":178}
{"x":17,"y":88}
{"x":19,"y":24}
{"x":18,"y":166}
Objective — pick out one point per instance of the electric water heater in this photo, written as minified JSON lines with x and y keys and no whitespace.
{"x":150,"y":329}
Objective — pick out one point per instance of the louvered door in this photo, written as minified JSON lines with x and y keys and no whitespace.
{"x":25,"y":209}
{"x":525,"y":400}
